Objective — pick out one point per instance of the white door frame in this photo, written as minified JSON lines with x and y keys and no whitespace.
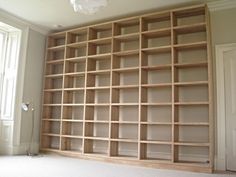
{"x":221,"y":118}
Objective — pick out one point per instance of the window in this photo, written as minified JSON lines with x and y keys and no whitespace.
{"x":9,"y":54}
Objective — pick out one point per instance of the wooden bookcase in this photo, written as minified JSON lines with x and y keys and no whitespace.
{"x":136,"y":90}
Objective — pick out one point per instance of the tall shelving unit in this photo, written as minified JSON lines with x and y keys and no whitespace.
{"x":136,"y":90}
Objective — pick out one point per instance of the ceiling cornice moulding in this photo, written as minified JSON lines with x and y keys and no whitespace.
{"x":221,"y":5}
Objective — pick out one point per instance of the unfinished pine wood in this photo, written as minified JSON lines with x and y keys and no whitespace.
{"x":135,"y":90}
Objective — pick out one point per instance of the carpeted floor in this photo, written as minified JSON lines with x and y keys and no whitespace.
{"x":57,"y":166}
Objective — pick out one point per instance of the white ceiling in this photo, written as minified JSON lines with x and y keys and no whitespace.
{"x":50,"y":14}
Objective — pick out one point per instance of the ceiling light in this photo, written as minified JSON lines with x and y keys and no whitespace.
{"x":88,"y":6}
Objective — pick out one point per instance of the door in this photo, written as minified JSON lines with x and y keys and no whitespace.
{"x":230,"y":107}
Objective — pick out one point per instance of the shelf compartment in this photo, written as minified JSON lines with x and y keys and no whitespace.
{"x":156,"y":39}
{"x":74,"y":66}
{"x":98,"y":96}
{"x":97,"y":113}
{"x":52,"y":97}
{"x":162,"y":76}
{"x":76,"y":50}
{"x":98,"y":80}
{"x":124,"y":45}
{"x":189,"y":37}
{"x":156,"y":21}
{"x":124,"y":27}
{"x":54,"y":68}
{"x":74,"y":82}
{"x":189,"y":16}
{"x":72,"y":128}
{"x":156,"y":59}
{"x":196,"y":113}
{"x":56,"y":55}
{"x":192,"y":134}
{"x":57,"y":39}
{"x":194,"y":93}
{"x":128,"y":61}
{"x":96,"y":147}
{"x":99,"y":47}
{"x":50,"y":127}
{"x":125,"y":95}
{"x":74,"y":97}
{"x":100,"y":31}
{"x":75,"y":113}
{"x":96,"y":129}
{"x":192,"y":74}
{"x":156,"y":152}
{"x":154,"y":114}
{"x":124,"y":131}
{"x":50,"y":142}
{"x":156,"y":95}
{"x":77,"y":36}
{"x":52,"y":112}
{"x":125,"y":114}
{"x":156,"y":132}
{"x":53,"y":83}
{"x":128,"y":77}
{"x":99,"y":64}
{"x":192,"y":154}
{"x":124,"y":149}
{"x":72,"y":144}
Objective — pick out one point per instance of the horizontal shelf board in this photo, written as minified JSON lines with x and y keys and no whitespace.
{"x":156,"y":160}
{"x":52,"y":104}
{"x":125,"y":104}
{"x":195,"y":83}
{"x":193,"y":45}
{"x":100,"y":41}
{"x":192,"y":123}
{"x":77,"y":44}
{"x":97,"y":104}
{"x":132,"y":69}
{"x":51,"y":134}
{"x":57,"y":61}
{"x":125,"y":122}
{"x":98,"y":88}
{"x":50,"y":150}
{"x":73,"y":104}
{"x":156,"y":85}
{"x":96,"y":154}
{"x":96,"y":138}
{"x":187,"y":65}
{"x":156,"y":104}
{"x":72,"y":120}
{"x":125,"y":140}
{"x":107,"y":71}
{"x":155,"y":142}
{"x":157,"y":33}
{"x":156,"y":123}
{"x":82,"y":58}
{"x":127,"y":53}
{"x":195,"y":144}
{"x":54,"y":76}
{"x":98,"y":121}
{"x":162,"y":67}
{"x":194,"y":163}
{"x":125,"y":87}
{"x":123,"y":157}
{"x":52,"y":90}
{"x":74,"y":89}
{"x":153,"y":50}
{"x":75,"y":74}
{"x":191,"y":103}
{"x":100,"y":56}
{"x":127,"y":37}
{"x":72,"y":136}
{"x":198,"y":27}
{"x":56,"y":48}
{"x":51,"y":120}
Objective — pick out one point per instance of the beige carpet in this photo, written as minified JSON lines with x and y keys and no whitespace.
{"x":57,"y":166}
